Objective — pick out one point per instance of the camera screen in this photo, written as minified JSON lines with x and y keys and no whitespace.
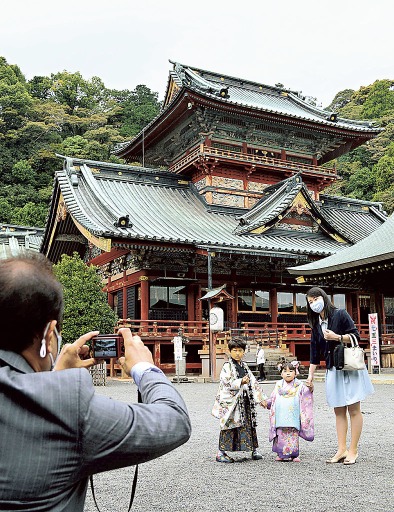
{"x":105,"y":347}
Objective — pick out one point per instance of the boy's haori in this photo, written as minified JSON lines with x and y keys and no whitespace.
{"x":235,"y":405}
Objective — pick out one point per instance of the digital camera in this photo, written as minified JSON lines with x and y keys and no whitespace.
{"x":104,"y":346}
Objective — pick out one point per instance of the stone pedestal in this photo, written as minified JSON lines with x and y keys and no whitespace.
{"x":221,"y":358}
{"x":180,"y":365}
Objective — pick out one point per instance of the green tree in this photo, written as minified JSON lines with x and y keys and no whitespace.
{"x":5,"y":211}
{"x":379,"y":101}
{"x":136,"y":109}
{"x":361,"y":184}
{"x":85,"y":304}
{"x":22,"y":172}
{"x":30,"y":214}
{"x":340,"y":100}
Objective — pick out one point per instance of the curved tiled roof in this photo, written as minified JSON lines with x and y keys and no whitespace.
{"x":244,"y":93}
{"x":15,"y":239}
{"x":268,"y":98}
{"x":163,"y":208}
{"x":377,"y":247}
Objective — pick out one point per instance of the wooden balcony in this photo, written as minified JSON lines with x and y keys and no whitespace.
{"x":205,"y":153}
{"x":267,"y":332}
{"x":271,"y":334}
{"x":165,"y":330}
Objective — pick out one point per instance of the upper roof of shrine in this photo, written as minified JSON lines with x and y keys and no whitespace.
{"x":189,"y":87}
{"x":273,"y":99}
{"x":90,"y":198}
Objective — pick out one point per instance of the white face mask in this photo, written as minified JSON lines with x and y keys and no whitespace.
{"x":317,"y":305}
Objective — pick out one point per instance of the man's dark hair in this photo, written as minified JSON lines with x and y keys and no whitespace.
{"x":312,"y":317}
{"x":30,"y":296}
{"x":236,"y":342}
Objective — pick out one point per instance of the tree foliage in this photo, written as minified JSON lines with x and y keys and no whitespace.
{"x":85,"y":304}
{"x":67,"y":114}
{"x":62,"y":113}
{"x":368,"y":171}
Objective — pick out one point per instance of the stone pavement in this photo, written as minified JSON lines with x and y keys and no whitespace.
{"x":190,"y":480}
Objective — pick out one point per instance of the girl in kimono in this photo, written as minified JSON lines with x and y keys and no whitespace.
{"x":235,"y":405}
{"x":291,"y":413}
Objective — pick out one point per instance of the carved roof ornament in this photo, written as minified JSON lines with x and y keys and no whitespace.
{"x":300,"y":206}
{"x":61,"y":211}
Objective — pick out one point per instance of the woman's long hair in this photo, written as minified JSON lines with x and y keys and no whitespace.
{"x":313,"y":318}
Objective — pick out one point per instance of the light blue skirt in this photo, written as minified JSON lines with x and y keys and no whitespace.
{"x":347,"y":388}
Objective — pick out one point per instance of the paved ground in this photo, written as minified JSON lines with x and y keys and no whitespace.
{"x":189,"y":479}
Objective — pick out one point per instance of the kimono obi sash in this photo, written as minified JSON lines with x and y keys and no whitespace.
{"x":287,"y":409}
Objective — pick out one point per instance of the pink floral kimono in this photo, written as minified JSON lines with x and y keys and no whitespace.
{"x":291,"y":417}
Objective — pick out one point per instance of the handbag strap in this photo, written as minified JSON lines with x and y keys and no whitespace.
{"x":353,"y":340}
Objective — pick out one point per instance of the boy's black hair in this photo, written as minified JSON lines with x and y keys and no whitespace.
{"x":236,"y":342}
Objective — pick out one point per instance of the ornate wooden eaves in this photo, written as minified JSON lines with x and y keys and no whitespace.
{"x":102,"y":243}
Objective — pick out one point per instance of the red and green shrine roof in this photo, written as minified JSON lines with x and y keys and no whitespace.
{"x":90,"y":197}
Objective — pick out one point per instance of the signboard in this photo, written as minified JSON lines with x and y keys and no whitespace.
{"x":177,"y":341}
{"x":374,"y":342}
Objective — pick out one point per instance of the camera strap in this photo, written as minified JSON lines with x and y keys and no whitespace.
{"x":134,"y":484}
{"x":133,"y":488}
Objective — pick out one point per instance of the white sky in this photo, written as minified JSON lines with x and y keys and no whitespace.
{"x":319,"y":47}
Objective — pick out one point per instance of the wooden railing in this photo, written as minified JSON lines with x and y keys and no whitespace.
{"x":265,"y":161}
{"x":167,"y":329}
{"x":267,"y":332}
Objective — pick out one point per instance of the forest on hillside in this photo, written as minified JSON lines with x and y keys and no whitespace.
{"x":69,"y":115}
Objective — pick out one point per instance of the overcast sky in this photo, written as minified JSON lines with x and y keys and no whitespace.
{"x":318,"y":47}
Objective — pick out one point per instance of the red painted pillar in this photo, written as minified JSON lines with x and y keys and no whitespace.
{"x":144,"y":297}
{"x":190,"y":303}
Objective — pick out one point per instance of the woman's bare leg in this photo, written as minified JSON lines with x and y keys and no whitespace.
{"x":356,"y":426}
{"x":341,"y":425}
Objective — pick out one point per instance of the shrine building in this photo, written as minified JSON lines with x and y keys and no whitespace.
{"x":221,"y":193}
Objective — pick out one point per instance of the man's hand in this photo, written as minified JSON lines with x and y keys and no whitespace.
{"x":135,"y":351}
{"x":73,"y":355}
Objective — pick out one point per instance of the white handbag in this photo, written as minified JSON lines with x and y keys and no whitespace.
{"x":354,"y":356}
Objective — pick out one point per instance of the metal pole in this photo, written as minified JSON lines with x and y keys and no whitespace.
{"x":209,"y":270}
{"x":212,"y":344}
{"x":143,"y":147}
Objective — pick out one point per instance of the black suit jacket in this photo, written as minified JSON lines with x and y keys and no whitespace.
{"x":55,"y":431}
{"x":341,"y":323}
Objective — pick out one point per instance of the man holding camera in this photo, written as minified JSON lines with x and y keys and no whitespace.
{"x":54,"y":430}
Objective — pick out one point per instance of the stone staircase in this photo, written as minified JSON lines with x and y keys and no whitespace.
{"x":273,"y":356}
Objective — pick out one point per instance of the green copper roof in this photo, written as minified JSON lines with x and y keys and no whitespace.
{"x":162,"y":208}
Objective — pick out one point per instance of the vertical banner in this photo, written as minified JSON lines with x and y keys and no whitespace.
{"x":374,"y":342}
{"x":177,"y":348}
